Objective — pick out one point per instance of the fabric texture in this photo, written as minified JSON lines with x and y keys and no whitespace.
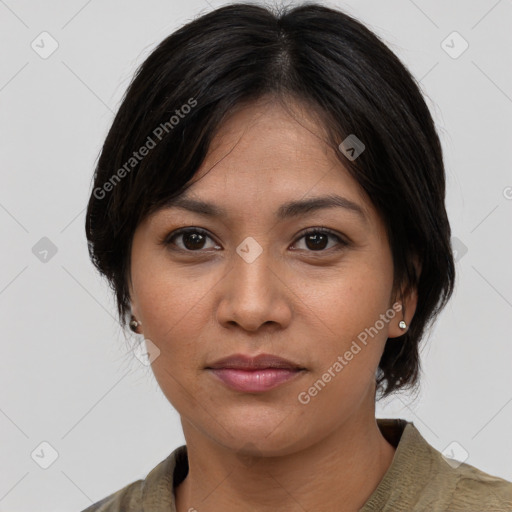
{"x":418,"y":479}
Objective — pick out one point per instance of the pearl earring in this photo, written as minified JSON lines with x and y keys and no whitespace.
{"x":402,"y":325}
{"x":134,"y":324}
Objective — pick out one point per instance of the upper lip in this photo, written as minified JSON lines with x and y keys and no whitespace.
{"x":259,"y":362}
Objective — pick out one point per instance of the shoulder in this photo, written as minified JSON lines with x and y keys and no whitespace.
{"x":421,"y":478}
{"x":459,"y":487}
{"x":474,"y":487}
{"x":462,"y":487}
{"x":127,"y":498}
{"x":154,"y":493}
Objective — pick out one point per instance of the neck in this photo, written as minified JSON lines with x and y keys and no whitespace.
{"x":343,"y":468}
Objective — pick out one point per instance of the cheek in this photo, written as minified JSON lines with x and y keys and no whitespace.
{"x":170,"y":298}
{"x":176,"y":323}
{"x":349,"y":301}
{"x":350,"y":309}
{"x":348,"y":350}
{"x":172,"y":306}
{"x":175,"y":316}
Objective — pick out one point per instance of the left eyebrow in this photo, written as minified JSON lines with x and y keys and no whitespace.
{"x":305,"y":206}
{"x":285,"y":211}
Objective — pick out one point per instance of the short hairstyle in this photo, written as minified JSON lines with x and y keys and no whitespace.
{"x":353,"y":83}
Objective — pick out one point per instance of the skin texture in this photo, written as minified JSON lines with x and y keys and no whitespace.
{"x":268,"y":451}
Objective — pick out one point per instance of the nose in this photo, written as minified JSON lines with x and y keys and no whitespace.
{"x":254,"y":294}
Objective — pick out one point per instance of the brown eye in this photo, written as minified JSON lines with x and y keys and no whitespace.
{"x":196,"y":239}
{"x":193,"y":239}
{"x":317,"y":239}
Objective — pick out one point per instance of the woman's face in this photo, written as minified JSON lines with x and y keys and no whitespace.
{"x":251,"y":282}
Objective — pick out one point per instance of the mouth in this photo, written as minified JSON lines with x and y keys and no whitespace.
{"x":254,"y":381}
{"x":255,"y":374}
{"x":259,"y":362}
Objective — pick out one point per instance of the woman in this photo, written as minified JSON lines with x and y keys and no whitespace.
{"x":269,"y":209}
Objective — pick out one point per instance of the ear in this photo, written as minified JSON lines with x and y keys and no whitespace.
{"x":134,"y":312}
{"x":408,"y":300}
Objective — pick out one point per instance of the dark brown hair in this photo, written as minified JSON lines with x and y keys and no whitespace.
{"x":328,"y":60}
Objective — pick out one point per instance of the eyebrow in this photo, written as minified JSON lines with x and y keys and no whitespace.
{"x":285,"y":211}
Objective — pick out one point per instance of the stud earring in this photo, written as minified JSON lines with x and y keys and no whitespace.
{"x":134,"y":324}
{"x":402,"y":325}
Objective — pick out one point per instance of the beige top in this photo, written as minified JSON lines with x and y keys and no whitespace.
{"x":418,"y":479}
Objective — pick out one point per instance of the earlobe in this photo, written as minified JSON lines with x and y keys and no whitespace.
{"x":134,"y":317}
{"x":403,"y":318}
{"x":408,"y":301}
{"x":134,"y":324}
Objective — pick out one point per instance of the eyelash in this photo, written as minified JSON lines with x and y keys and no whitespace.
{"x":167,"y":240}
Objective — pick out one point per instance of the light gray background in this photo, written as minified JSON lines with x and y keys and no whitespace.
{"x":65,"y":376}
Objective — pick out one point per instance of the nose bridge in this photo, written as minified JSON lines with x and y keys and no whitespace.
{"x":253,"y":295}
{"x":253,"y":265}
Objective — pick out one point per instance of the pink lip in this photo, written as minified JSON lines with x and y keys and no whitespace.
{"x":254,"y":381}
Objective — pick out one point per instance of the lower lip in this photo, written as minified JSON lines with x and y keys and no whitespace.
{"x":254,"y":381}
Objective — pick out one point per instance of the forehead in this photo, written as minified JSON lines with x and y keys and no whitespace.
{"x":263,"y":151}
{"x":269,"y":133}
